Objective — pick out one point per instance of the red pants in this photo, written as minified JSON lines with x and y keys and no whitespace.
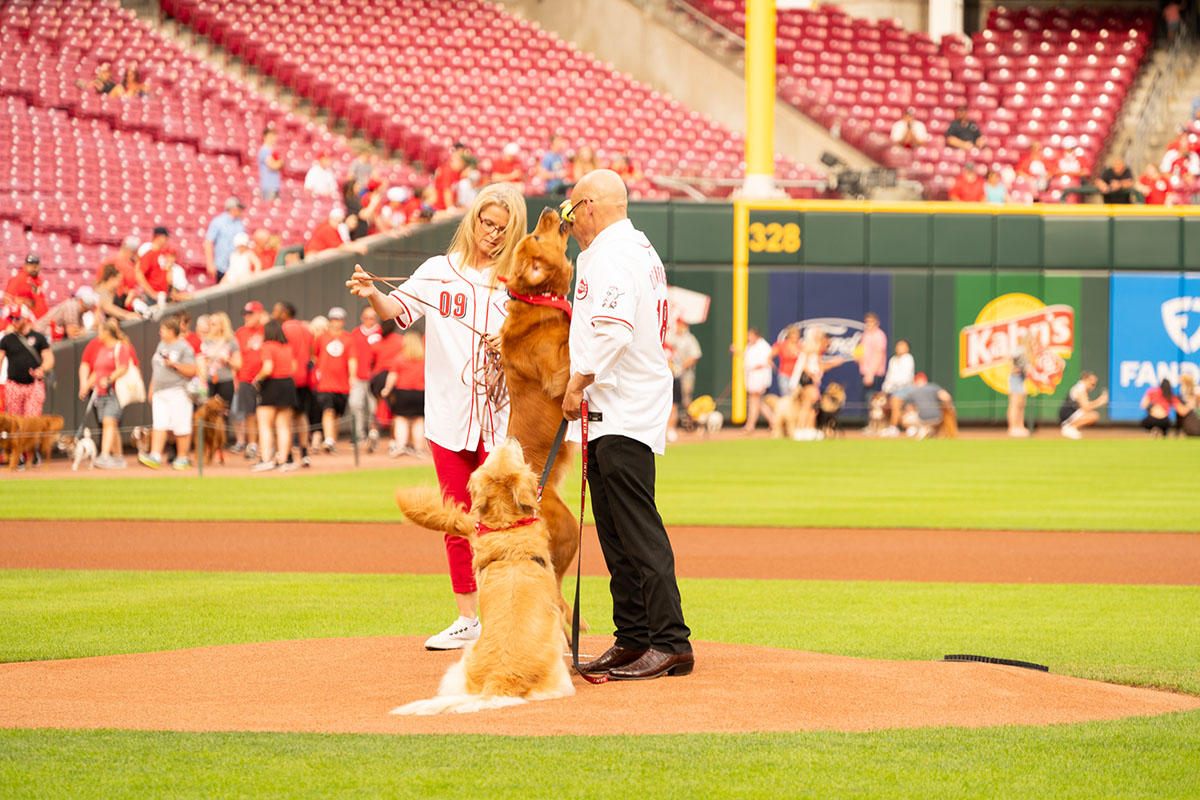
{"x":24,"y":399}
{"x":453,"y":469}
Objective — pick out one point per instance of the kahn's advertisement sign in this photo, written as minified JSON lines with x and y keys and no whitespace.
{"x":1155,"y":334}
{"x":986,"y":347}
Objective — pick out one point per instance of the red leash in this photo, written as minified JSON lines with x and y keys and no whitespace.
{"x":583,"y":416}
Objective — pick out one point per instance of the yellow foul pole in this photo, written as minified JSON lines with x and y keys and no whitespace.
{"x":760,"y":173}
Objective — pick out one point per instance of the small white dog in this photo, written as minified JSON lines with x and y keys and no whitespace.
{"x":85,"y":450}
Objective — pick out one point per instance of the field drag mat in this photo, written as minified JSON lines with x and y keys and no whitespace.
{"x":350,"y":685}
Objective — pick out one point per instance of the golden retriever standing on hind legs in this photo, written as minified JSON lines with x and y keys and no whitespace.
{"x":518,"y":657}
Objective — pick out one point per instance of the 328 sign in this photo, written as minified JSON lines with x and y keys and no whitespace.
{"x":774,"y":237}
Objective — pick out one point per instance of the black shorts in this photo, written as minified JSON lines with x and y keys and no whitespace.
{"x":676,"y":391}
{"x":222,"y":389}
{"x":378,"y":381}
{"x":407,"y":403}
{"x":303,"y":400}
{"x":334,"y":400}
{"x":277,"y":393}
{"x":245,"y":402}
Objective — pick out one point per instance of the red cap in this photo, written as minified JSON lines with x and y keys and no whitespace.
{"x":921,"y":376}
{"x":253,"y":307}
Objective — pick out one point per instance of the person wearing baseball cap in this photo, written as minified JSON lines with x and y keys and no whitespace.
{"x":29,"y":285}
{"x":218,"y":240}
{"x":65,"y":320}
{"x":245,"y":399}
{"x":28,"y":357}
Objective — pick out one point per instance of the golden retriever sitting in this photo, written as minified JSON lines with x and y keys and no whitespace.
{"x":519,"y":654}
{"x":212,"y":414}
{"x":537,"y":366}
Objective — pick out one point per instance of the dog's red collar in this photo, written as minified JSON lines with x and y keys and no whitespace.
{"x":481,"y":529}
{"x":548,"y":299}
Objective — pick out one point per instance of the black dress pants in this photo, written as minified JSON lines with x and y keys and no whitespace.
{"x":646,"y":607}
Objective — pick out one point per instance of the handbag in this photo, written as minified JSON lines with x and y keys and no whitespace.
{"x":130,"y":387}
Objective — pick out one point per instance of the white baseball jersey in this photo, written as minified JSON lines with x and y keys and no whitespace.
{"x":457,"y":412}
{"x":617,"y":330}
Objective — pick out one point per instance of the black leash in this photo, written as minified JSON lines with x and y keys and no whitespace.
{"x":554,"y":448}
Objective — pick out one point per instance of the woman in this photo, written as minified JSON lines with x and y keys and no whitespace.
{"x":113,"y":360}
{"x":1022,"y":358}
{"x":756,"y":361}
{"x":994,"y":190}
{"x":359,"y":217}
{"x":463,"y":425}
{"x":583,"y":163}
{"x":243,"y":262}
{"x":133,"y":84}
{"x":807,"y":375}
{"x":404,"y":391}
{"x":174,"y":363}
{"x":787,"y":350}
{"x":1158,"y":402}
{"x":220,"y":357}
{"x":1185,"y":409}
{"x":277,"y":395}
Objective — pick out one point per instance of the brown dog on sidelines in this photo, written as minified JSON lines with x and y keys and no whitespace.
{"x":518,"y":656}
{"x":537,"y":366}
{"x":212,"y":414}
{"x":27,"y":435}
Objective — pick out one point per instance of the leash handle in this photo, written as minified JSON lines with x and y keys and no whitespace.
{"x":554,"y":448}
{"x":583,"y":416}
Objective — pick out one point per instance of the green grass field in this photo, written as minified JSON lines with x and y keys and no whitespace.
{"x":1142,"y":635}
{"x":1042,"y":484}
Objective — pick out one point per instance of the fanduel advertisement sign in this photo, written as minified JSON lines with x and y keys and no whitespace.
{"x":1155,"y":330}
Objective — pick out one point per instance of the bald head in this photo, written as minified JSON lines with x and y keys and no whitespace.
{"x":599,"y":200}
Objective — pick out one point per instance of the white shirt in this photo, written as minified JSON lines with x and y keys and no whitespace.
{"x":756,"y":361}
{"x":457,"y":412}
{"x":320,"y":182}
{"x":900,"y":373}
{"x":617,"y":329}
{"x":241,"y":268}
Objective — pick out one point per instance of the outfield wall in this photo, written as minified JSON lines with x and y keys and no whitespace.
{"x":1120,"y":279}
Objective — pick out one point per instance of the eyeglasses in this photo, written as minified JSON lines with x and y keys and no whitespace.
{"x":490,"y":227}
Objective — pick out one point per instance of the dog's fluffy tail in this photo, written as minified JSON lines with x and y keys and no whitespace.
{"x":457,"y":704}
{"x":425,"y":506}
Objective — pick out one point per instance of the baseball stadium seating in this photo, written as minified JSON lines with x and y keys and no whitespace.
{"x":1031,"y":73}
{"x":86,"y":170}
{"x":420,"y":75}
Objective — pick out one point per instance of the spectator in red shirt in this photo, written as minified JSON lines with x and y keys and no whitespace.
{"x":404,"y":392}
{"x":967,"y":188}
{"x":266,"y":247}
{"x":277,"y":393}
{"x":367,"y":337}
{"x":300,"y":341}
{"x":28,"y":285}
{"x":445,"y":181}
{"x":1072,"y":162}
{"x":328,"y":234}
{"x":336,"y":363}
{"x":105,"y":359}
{"x":245,"y":399}
{"x":1155,"y":186}
{"x":392,"y":214}
{"x":186,"y":333}
{"x":153,"y":276}
{"x":1036,"y":163}
{"x":507,"y":168}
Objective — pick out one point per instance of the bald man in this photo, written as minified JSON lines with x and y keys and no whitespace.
{"x":617,"y":361}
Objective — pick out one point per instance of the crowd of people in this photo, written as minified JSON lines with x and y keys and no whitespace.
{"x":285,"y":384}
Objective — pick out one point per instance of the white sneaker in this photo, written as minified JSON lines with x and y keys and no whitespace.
{"x":1071,"y":432}
{"x":891,"y":432}
{"x":461,"y":632}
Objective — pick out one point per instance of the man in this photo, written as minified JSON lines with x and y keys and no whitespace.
{"x":1155,"y":186}
{"x":927,"y":400}
{"x":245,"y":400}
{"x":967,"y":188}
{"x":108,"y":302}
{"x":1077,"y":410}
{"x":65,"y":320}
{"x":553,"y":168}
{"x":327,"y":235}
{"x":269,"y":164}
{"x":507,"y":168}
{"x":154,"y":267}
{"x":29,"y":285}
{"x":362,"y":403}
{"x":1116,"y":182}
{"x":909,"y":131}
{"x":300,"y":341}
{"x":266,"y":248}
{"x":1072,"y":161}
{"x":28,"y":357}
{"x":336,"y":362}
{"x":1035,"y":164}
{"x":320,"y":180}
{"x":218,"y":240}
{"x":361,"y":167}
{"x":616,"y":344}
{"x":963,"y":133}
{"x":873,"y":363}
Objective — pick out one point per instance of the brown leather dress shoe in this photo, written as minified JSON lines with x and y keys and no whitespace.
{"x":613,"y":657}
{"x":655,"y":664}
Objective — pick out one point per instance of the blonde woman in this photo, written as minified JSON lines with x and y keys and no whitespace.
{"x":404,"y":392}
{"x":114,"y":358}
{"x":1023,"y":356}
{"x":220,"y":357}
{"x":459,"y":297}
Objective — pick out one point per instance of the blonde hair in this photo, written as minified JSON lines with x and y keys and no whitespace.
{"x":113,"y":328}
{"x":318,"y":325}
{"x":414,"y":346}
{"x":219,"y":327}
{"x":508,"y":197}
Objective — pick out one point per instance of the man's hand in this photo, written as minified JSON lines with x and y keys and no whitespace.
{"x":573,"y":397}
{"x":360,"y":284}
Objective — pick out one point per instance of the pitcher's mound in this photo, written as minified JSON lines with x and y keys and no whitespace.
{"x":349,"y":685}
